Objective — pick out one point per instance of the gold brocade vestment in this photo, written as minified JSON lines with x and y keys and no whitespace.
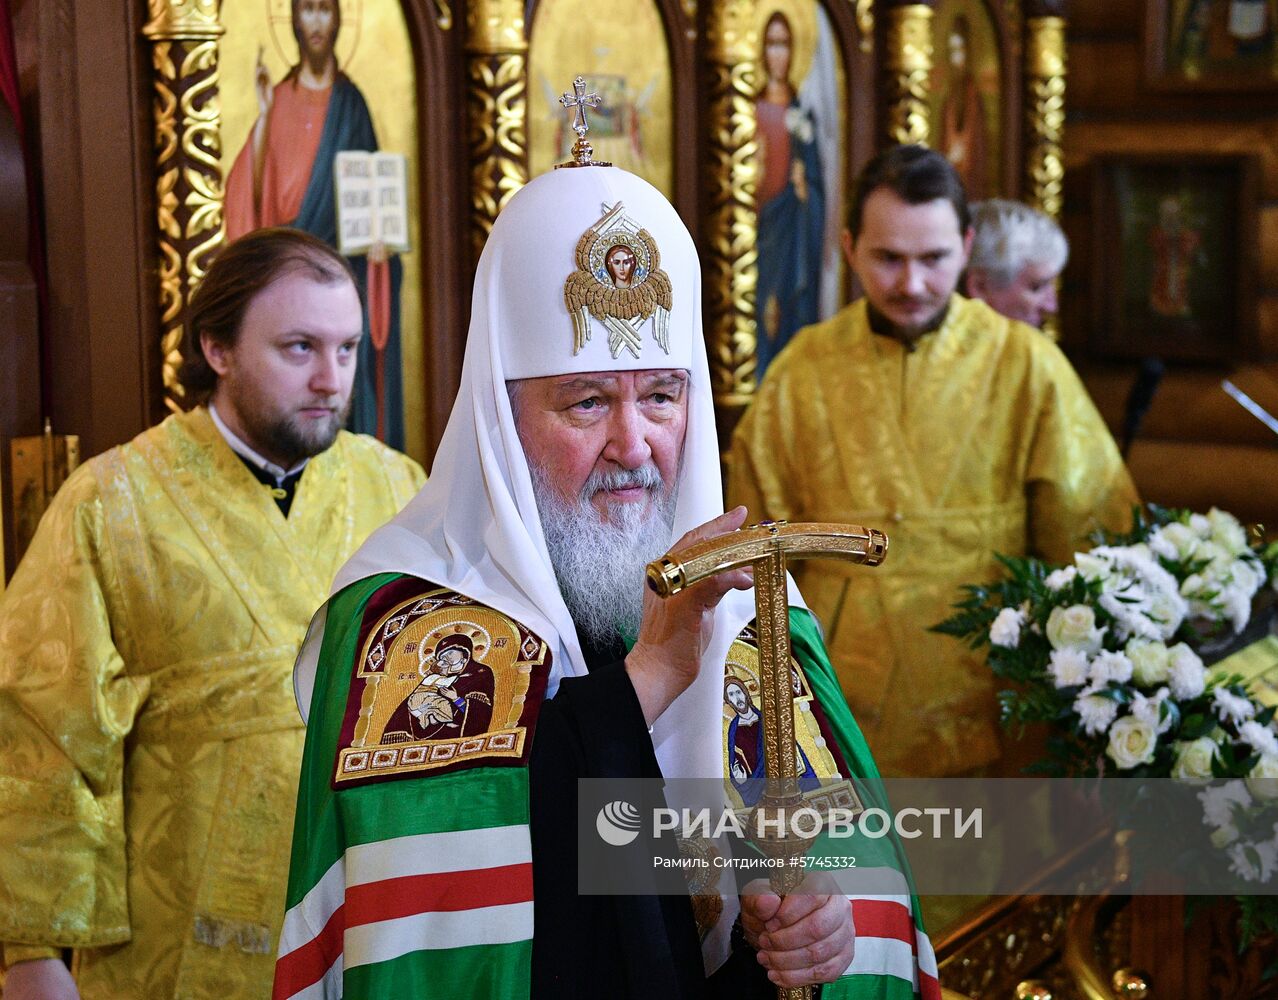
{"x":149,"y":738}
{"x":981,"y":440}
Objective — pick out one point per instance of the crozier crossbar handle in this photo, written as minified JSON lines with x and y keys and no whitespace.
{"x":851,"y":542}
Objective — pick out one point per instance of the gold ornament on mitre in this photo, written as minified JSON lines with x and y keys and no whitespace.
{"x":620,"y":283}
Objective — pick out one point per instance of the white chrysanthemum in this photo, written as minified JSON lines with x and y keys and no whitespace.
{"x":1132,"y":742}
{"x":1061,"y":578}
{"x":1200,"y":525}
{"x":1193,"y":759}
{"x":1149,"y":709}
{"x":1231,"y":707}
{"x":1074,"y":626}
{"x":1186,"y":673}
{"x":1253,"y":862}
{"x":1161,"y":545}
{"x":1095,"y":712}
{"x":1261,"y":738}
{"x":1223,"y":836}
{"x":1107,"y":666}
{"x":1220,"y":801}
{"x":1143,"y":598}
{"x":1235,"y":605}
{"x":1006,"y":628}
{"x":1068,"y":667}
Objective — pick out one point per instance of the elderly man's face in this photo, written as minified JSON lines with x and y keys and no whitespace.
{"x":574,"y":426}
{"x":1031,"y":297}
{"x":908,"y":257}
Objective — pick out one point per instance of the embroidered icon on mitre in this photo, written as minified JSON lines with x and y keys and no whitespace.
{"x":620,"y":283}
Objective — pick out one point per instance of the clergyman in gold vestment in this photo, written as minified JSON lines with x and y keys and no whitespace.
{"x":149,"y":738}
{"x":962,"y":432}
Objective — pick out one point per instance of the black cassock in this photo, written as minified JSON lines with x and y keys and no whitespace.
{"x":637,"y":947}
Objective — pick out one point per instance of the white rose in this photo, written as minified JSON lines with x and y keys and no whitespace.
{"x":1093,"y":567}
{"x":1218,"y":557}
{"x":1227,"y":532}
{"x":1261,"y":738}
{"x":1262,"y":781}
{"x":1006,"y":628}
{"x":1095,"y":712}
{"x":1193,"y":759}
{"x":1074,"y":626}
{"x":1068,"y":667}
{"x":1131,"y":742}
{"x":1060,"y":578}
{"x":1231,"y":707}
{"x":1150,"y":664}
{"x":1108,"y":667}
{"x":1200,"y":525}
{"x":1168,"y":610}
{"x":1219,"y":802}
{"x":1182,"y":538}
{"x":1187,"y":675}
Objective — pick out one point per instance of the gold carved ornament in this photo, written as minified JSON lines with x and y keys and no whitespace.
{"x":732,"y":219}
{"x":865,"y":23}
{"x":1045,"y":72}
{"x":497,"y":110}
{"x":189,"y":191}
{"x":909,"y":66}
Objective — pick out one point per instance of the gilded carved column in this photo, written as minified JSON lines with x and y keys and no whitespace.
{"x":908,"y":63}
{"x":1045,"y":88}
{"x":731,"y":263}
{"x":497,"y":109}
{"x":188,"y":173}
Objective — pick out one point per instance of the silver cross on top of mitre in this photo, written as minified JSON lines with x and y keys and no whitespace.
{"x":578,"y":101}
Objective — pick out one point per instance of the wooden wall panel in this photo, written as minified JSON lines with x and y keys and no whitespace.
{"x":95,"y":164}
{"x":1196,"y":447}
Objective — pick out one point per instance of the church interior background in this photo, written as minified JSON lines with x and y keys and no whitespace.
{"x":1149,"y":128}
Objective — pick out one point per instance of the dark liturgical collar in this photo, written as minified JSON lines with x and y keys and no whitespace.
{"x":282,"y":490}
{"x":884,"y":327}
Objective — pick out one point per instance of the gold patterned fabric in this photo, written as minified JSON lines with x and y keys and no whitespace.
{"x":980,"y":440}
{"x":149,"y":739}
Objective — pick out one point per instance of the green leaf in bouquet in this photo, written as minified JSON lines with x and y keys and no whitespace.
{"x":1195,"y":725}
{"x":1267,"y":716}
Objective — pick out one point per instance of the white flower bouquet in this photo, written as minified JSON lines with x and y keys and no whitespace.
{"x":1106,"y":651}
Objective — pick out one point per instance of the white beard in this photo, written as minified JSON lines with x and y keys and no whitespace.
{"x":600,"y":564}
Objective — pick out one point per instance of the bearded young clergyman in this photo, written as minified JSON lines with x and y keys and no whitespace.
{"x":148,"y":741}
